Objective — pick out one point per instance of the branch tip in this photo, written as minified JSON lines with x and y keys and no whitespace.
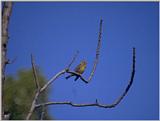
{"x":35,"y":73}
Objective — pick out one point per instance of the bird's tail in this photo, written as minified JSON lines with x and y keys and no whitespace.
{"x":69,"y":76}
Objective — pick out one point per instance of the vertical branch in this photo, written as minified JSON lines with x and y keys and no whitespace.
{"x":37,"y":91}
{"x":5,"y":22}
{"x":97,"y":51}
{"x":35,"y":73}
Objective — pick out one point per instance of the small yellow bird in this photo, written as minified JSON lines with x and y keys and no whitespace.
{"x":79,"y":69}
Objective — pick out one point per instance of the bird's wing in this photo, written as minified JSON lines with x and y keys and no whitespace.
{"x":77,"y":69}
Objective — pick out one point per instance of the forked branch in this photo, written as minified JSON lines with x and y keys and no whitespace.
{"x":46,"y":85}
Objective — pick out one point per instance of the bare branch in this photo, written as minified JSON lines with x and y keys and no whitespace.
{"x":52,"y":79}
{"x":33,"y":105}
{"x":97,"y":103}
{"x":74,"y":104}
{"x":73,"y":59}
{"x":37,"y":86}
{"x":35,"y":73}
{"x":97,"y":51}
{"x":131,"y":79}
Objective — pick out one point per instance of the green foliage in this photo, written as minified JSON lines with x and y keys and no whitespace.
{"x":19,"y":92}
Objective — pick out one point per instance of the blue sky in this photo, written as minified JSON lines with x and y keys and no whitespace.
{"x":54,"y":31}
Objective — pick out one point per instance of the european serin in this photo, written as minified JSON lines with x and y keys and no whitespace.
{"x":79,"y":69}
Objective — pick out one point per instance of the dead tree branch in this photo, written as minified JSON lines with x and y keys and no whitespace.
{"x":35,"y":73}
{"x":45,"y":86}
{"x":33,"y":105}
{"x":7,"y":9}
{"x":73,"y":59}
{"x":41,"y":90}
{"x":97,"y":52}
{"x":115,"y":103}
{"x":52,"y":79}
{"x":96,"y":58}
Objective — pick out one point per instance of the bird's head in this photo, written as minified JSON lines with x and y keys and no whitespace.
{"x":84,"y":62}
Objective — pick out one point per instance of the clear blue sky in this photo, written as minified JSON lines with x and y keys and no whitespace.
{"x":54,"y":31}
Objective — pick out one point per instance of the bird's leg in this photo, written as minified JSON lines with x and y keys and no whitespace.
{"x":76,"y":78}
{"x":69,"y":76}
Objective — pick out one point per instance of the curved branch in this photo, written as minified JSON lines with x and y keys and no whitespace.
{"x":96,"y":103}
{"x":131,"y":79}
{"x":52,"y":79}
{"x":97,"y":51}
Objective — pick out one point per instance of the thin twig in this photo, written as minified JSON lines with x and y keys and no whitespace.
{"x":35,"y":73}
{"x":115,"y":103}
{"x":8,"y":61}
{"x":73,"y":59}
